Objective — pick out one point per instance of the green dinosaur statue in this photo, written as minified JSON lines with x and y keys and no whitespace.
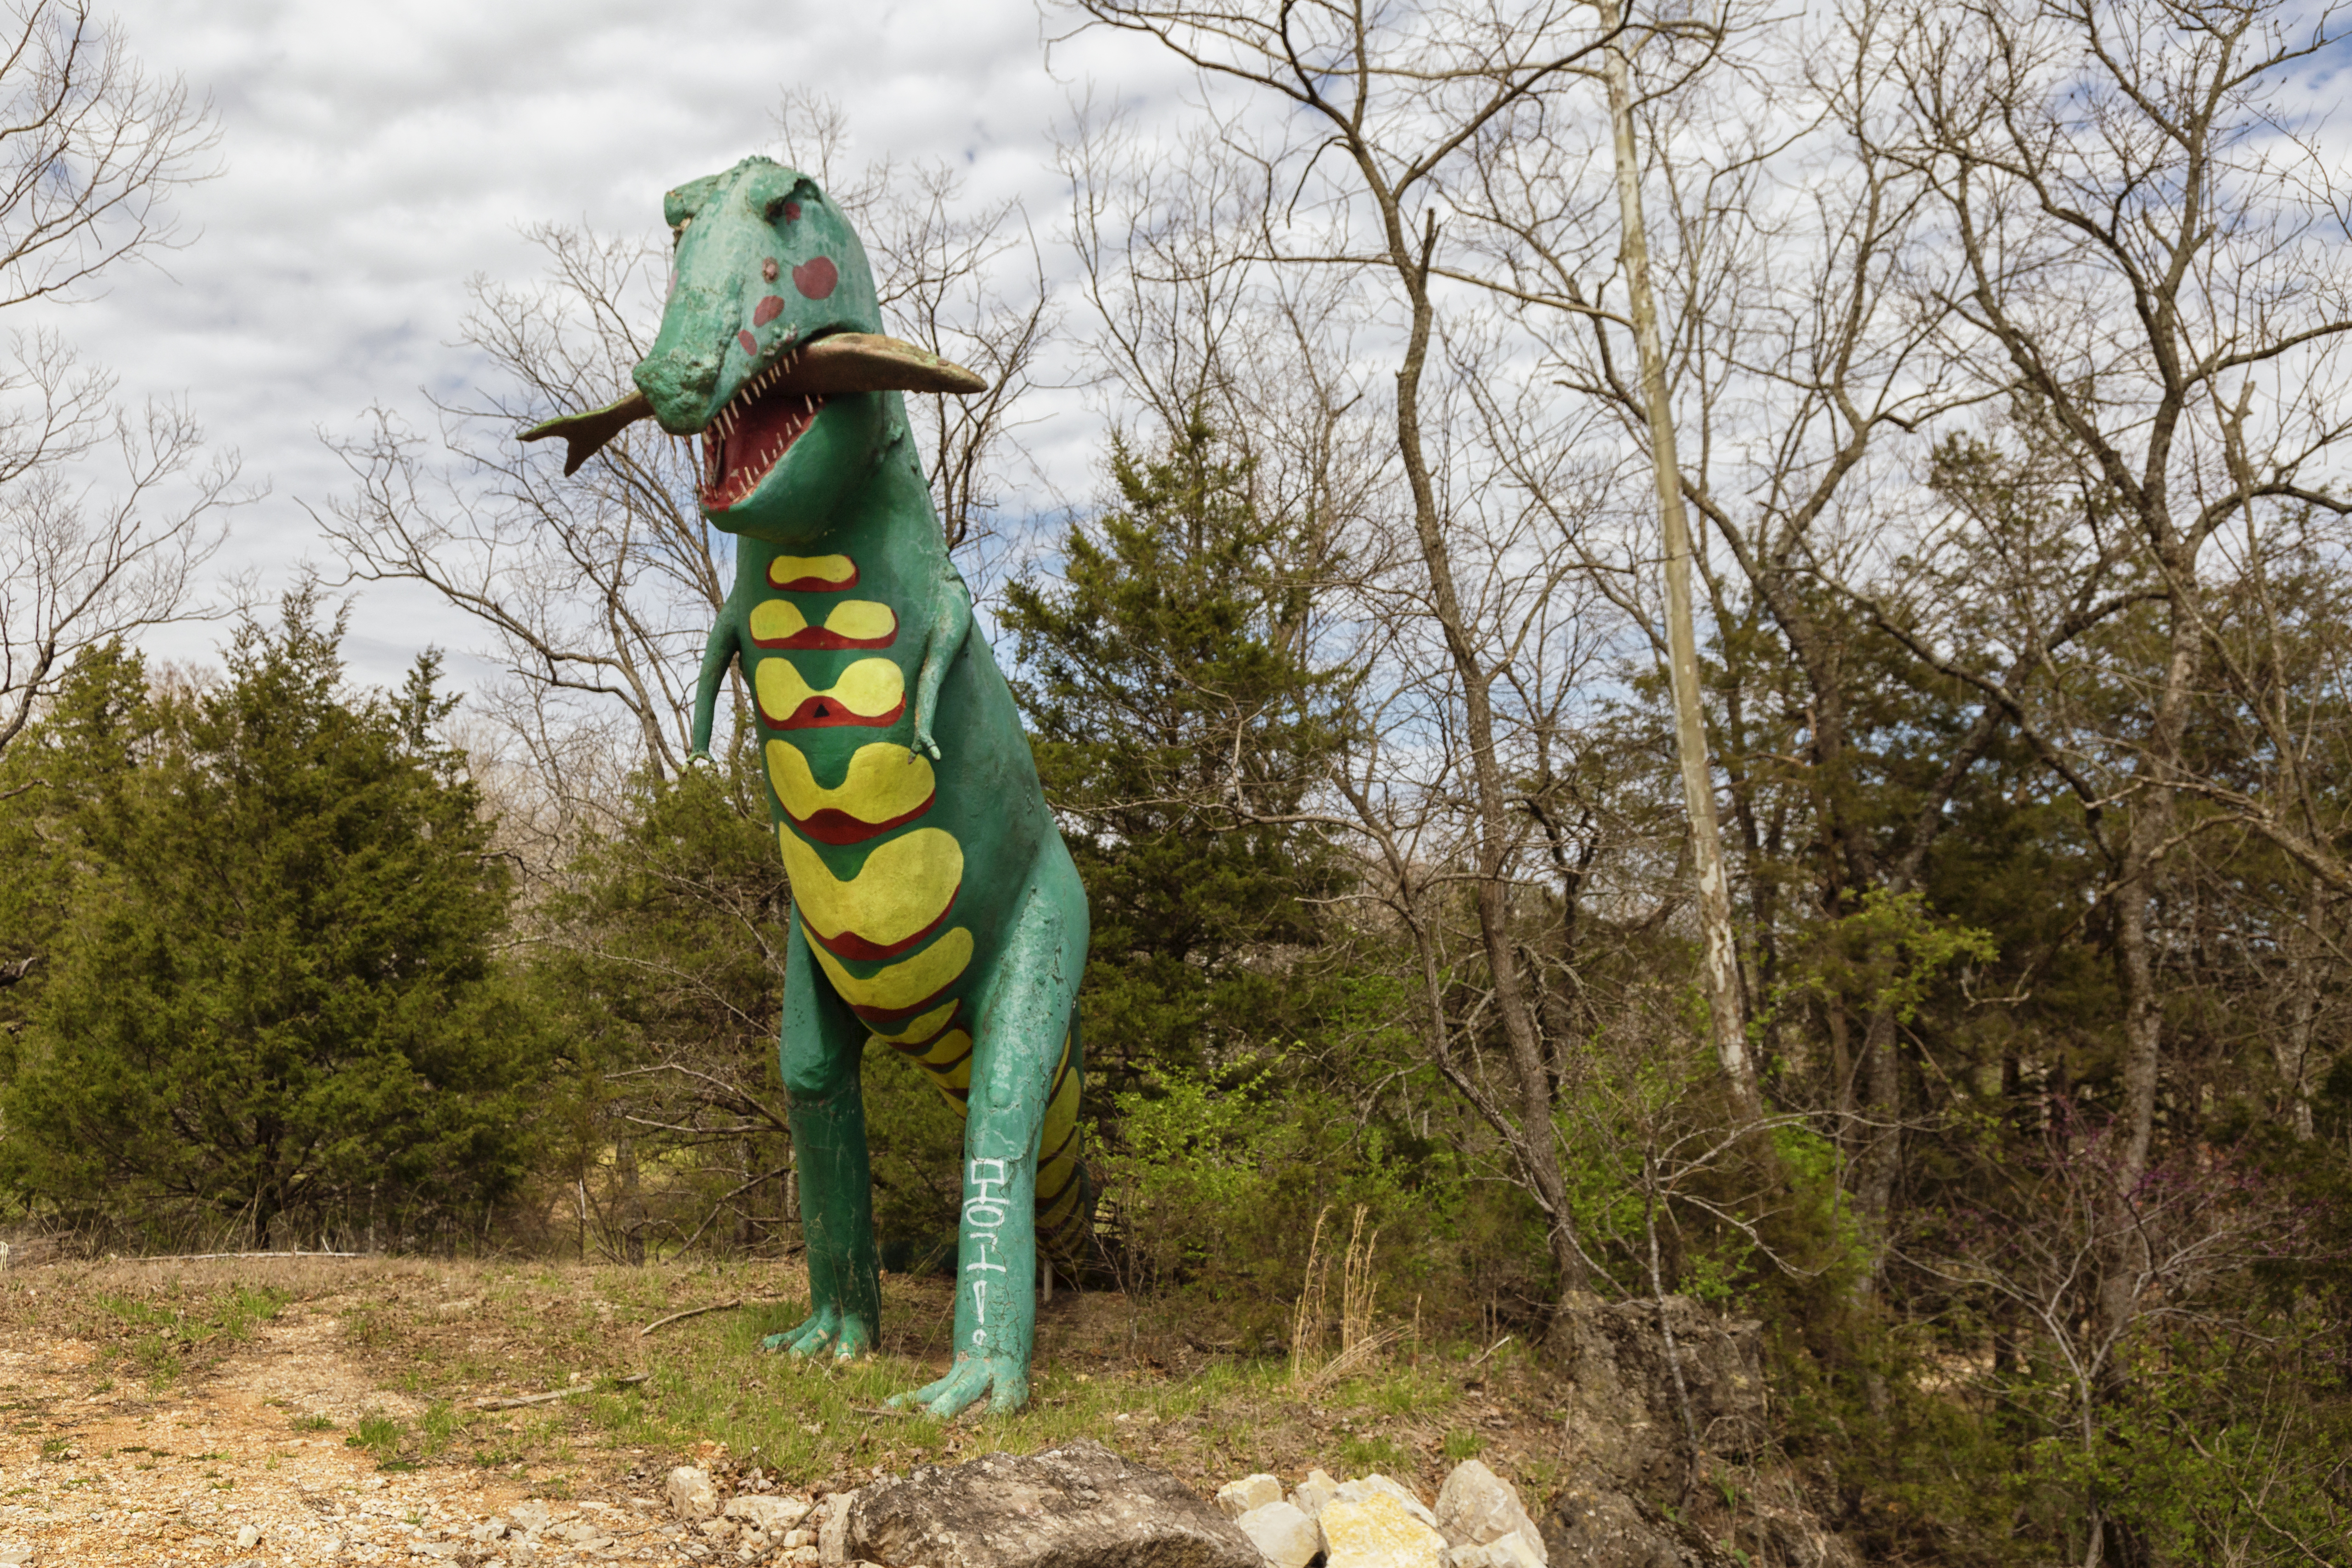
{"x":934,"y":904}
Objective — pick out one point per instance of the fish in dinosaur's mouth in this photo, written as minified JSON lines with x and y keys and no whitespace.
{"x":750,"y":435}
{"x":768,"y":412}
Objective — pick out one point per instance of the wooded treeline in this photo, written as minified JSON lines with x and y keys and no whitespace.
{"x":2001,"y":347}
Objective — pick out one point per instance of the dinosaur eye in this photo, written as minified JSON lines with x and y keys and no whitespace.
{"x":783,"y":207}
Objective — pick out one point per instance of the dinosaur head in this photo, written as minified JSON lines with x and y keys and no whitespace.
{"x":766,"y":267}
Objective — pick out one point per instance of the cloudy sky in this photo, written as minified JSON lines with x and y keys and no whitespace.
{"x":374,"y":158}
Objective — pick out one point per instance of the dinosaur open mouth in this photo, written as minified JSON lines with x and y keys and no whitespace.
{"x":750,"y":435}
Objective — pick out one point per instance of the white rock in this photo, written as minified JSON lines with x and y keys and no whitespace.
{"x":1520,"y":1549}
{"x":833,"y":1528}
{"x":1313,"y":1493}
{"x":1397,"y":1489}
{"x":1476,"y":1506}
{"x":532,"y":1515}
{"x":1238,"y":1498}
{"x":1512,"y":1550}
{"x":1283,"y":1536}
{"x":1373,"y":1528}
{"x":691,"y":1494}
{"x":777,"y":1513}
{"x":248,"y":1537}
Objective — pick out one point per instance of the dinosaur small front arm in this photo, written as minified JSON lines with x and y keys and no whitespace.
{"x":950,"y":624}
{"x":718,"y":654}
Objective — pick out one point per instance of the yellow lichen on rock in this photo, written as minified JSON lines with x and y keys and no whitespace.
{"x":1377,"y":1531}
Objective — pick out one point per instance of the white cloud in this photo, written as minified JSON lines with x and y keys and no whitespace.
{"x":376,"y":157}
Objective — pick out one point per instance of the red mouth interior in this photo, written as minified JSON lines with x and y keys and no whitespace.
{"x":751,"y":436}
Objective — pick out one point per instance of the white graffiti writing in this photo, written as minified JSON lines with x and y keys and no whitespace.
{"x":983,"y":1205}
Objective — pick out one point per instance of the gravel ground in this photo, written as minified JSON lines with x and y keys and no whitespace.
{"x":224,"y":1472}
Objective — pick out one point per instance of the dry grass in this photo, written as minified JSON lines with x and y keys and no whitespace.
{"x":416,"y":1343}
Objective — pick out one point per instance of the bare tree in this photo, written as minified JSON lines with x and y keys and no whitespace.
{"x":91,"y":149}
{"x":2147,"y":259}
{"x":598,"y":588}
{"x":1374,"y":109}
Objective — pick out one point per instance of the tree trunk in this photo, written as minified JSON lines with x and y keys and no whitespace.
{"x":2291,"y":1051}
{"x":1538,"y":1145}
{"x":1725,"y":1005}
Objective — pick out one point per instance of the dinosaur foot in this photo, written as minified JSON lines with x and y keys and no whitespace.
{"x":846,"y":1335}
{"x":1002,"y":1380}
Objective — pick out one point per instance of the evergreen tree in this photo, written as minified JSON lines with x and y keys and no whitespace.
{"x":268,"y":994}
{"x":1173,"y":711}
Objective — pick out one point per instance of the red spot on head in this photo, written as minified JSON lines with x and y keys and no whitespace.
{"x":816,"y":276}
{"x":791,"y":212}
{"x":750,"y":344}
{"x":767,"y":311}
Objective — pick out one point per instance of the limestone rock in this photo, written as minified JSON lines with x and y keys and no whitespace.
{"x":248,"y":1536}
{"x":1313,"y":1492}
{"x":1283,"y":1536}
{"x":1512,"y":1550}
{"x":833,"y":1527}
{"x":1236,"y":1498}
{"x":692,"y":1494}
{"x":1080,"y":1506}
{"x":1625,"y":1417}
{"x":1367,"y":1485}
{"x":1374,"y":1528}
{"x":1475,"y":1507}
{"x":532,"y":1515}
{"x":768,"y":1512}
{"x":1592,"y":1526}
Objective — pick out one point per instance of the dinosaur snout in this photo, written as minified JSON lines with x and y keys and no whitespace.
{"x":679,"y":380}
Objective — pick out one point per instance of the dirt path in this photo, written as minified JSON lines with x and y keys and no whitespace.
{"x":247,"y":1457}
{"x":287,"y":1411}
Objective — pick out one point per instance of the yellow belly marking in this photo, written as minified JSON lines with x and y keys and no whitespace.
{"x":775,"y":621}
{"x":903,"y":983}
{"x":884,"y":784}
{"x":922,"y":1028}
{"x":812,"y":574}
{"x":868,"y":689}
{"x":902,"y":890}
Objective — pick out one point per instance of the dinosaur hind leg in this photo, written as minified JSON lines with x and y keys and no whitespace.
{"x":1021,"y":1051}
{"x":820,"y":1052}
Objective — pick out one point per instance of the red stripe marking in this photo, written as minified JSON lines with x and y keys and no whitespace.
{"x":837,"y":828}
{"x":891,"y":1017}
{"x":849,"y":944}
{"x":827,"y":713}
{"x":928,"y":1041}
{"x":819,"y":637}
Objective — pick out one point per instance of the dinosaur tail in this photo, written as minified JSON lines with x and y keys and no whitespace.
{"x":1066,"y":1194}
